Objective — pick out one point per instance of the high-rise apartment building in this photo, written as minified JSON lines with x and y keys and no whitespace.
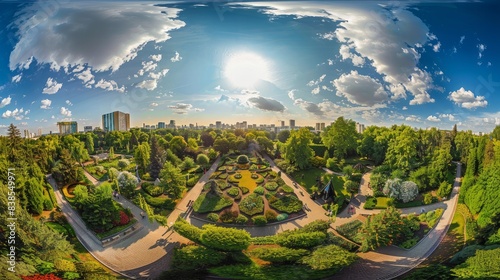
{"x":171,"y":124}
{"x":360,"y":127}
{"x":292,"y":124}
{"x":87,"y":128}
{"x":67,"y":127}
{"x":218,"y":124}
{"x":161,"y":125}
{"x":116,"y":121}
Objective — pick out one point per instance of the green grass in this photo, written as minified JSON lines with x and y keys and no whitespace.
{"x":457,"y":226}
{"x":307,"y":179}
{"x":209,"y":203}
{"x":288,"y":204}
{"x":376,"y":203}
{"x":115,"y":229}
{"x":355,"y":160}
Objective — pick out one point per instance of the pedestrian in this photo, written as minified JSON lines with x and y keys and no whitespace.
{"x":422,"y":210}
{"x":117,"y":196}
{"x":142,"y":215}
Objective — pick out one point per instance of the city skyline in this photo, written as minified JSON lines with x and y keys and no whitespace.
{"x":262,"y":62}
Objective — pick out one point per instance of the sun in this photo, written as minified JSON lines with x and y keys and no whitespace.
{"x":244,"y":69}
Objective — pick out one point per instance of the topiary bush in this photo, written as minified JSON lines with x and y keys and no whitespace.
{"x":271,"y":215}
{"x":234,"y":191}
{"x":279,"y":254}
{"x":194,"y":257}
{"x":252,"y":204}
{"x":242,"y":159}
{"x":224,"y":239}
{"x":288,"y":204}
{"x":259,"y":220}
{"x":228,"y":216}
{"x":237,"y":176}
{"x":259,"y":190}
{"x":213,"y":217}
{"x":187,"y":230}
{"x":303,"y":240}
{"x":241,"y":219}
{"x":244,"y":190}
{"x":282,"y":217}
{"x":271,"y":186}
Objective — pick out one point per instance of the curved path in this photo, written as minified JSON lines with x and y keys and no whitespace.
{"x":147,"y":252}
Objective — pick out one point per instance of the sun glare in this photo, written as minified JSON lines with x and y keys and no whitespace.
{"x":245,"y":69}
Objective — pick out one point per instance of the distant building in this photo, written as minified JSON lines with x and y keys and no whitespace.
{"x":39,"y":132}
{"x":282,"y":123}
{"x":116,"y":121}
{"x":322,"y":126}
{"x":360,"y":127}
{"x":318,"y":126}
{"x":171,"y":124}
{"x":218,"y":124}
{"x":161,"y":125}
{"x":292,"y":124}
{"x":87,"y":128}
{"x":67,"y":127}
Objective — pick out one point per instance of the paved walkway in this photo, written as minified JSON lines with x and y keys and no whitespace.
{"x":146,"y":252}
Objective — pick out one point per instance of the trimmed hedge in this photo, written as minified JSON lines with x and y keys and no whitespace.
{"x":194,"y":257}
{"x":187,"y":230}
{"x":279,"y":254}
{"x":259,"y":220}
{"x":224,"y":239}
{"x":213,"y":217}
{"x":303,"y":240}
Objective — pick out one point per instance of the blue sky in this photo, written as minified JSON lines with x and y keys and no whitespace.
{"x":423,"y":64}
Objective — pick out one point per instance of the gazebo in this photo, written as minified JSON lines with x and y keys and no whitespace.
{"x":328,"y":191}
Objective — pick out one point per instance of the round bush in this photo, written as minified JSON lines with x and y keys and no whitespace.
{"x":282,"y":217}
{"x":233,"y":192}
{"x":244,"y":190}
{"x":213,"y":217}
{"x":259,"y":190}
{"x":237,"y":176}
{"x":241,"y":219}
{"x":271,"y":186}
{"x":254,"y":176}
{"x":122,"y":163}
{"x":259,"y":220}
{"x":242,"y":159}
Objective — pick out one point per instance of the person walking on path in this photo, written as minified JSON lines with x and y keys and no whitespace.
{"x":142,"y":215}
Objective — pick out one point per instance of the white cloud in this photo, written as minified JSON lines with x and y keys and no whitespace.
{"x":109,"y":86}
{"x":315,"y":90}
{"x":386,"y":38}
{"x":5,"y":101}
{"x":462,"y":38}
{"x":481,"y":48}
{"x":450,"y":117}
{"x":153,"y":104}
{"x":45,"y":104}
{"x":219,"y":88}
{"x":412,"y":118}
{"x":184,"y":108}
{"x":345,"y":53}
{"x":436,"y":47}
{"x":310,"y":107}
{"x":52,"y":86}
{"x":155,"y":57}
{"x":360,"y":89}
{"x":86,"y":76}
{"x":117,"y":33}
{"x":177,"y":57}
{"x":158,"y":75}
{"x":466,"y":99}
{"x":17,"y":78}
{"x":291,"y":94}
{"x":69,"y":103}
{"x":433,"y":119}
{"x":316,"y":82}
{"x":65,"y":112}
{"x":266,"y":104}
{"x":404,"y":108}
{"x":78,"y":68}
{"x":148,"y":84}
{"x":17,"y":114}
{"x":52,"y":117}
{"x":330,"y":62}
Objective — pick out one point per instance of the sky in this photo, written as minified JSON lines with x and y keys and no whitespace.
{"x":423,"y":64}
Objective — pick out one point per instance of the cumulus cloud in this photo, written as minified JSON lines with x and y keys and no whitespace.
{"x":109,"y":86}
{"x":436,"y":47}
{"x":117,"y":33}
{"x":177,"y":57}
{"x":466,"y":99}
{"x":433,"y":118}
{"x":158,"y":75}
{"x":412,"y":118}
{"x":86,"y":76}
{"x":404,"y":108}
{"x":266,"y":104}
{"x":69,"y":103}
{"x":155,"y":57}
{"x":345,"y":53}
{"x":5,"y":101}
{"x":316,"y":82}
{"x":148,"y":84}
{"x":315,"y":90}
{"x":52,"y":86}
{"x":45,"y":104}
{"x":387,"y":38}
{"x":310,"y":107}
{"x":153,"y":104}
{"x":291,"y":94}
{"x":360,"y":89}
{"x":17,"y":114}
{"x":450,"y":117}
{"x":219,"y":88}
{"x":184,"y":108}
{"x":65,"y":112}
{"x":481,"y":48}
{"x":17,"y":78}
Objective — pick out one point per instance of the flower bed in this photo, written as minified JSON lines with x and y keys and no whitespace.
{"x":350,"y":230}
{"x":209,"y":203}
{"x":252,"y":204}
{"x":288,"y":203}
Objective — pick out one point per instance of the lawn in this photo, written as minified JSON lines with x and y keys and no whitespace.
{"x":376,"y":202}
{"x":246,"y":180}
{"x":209,"y":203}
{"x":308,"y":178}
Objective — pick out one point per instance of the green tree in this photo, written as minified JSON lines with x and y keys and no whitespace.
{"x":496,"y":133}
{"x":65,"y":170}
{"x":173,"y":178}
{"x":283,"y":136}
{"x":342,"y":136}
{"x":351,"y":186}
{"x":382,"y":229}
{"x":14,"y":143}
{"x":483,"y":265}
{"x":156,"y":158}
{"x":296,"y":150}
{"x":141,"y":156}
{"x":265,"y":144}
{"x":221,"y":145}
{"x":202,"y":160}
{"x":127,"y":182}
{"x":402,"y":150}
{"x":177,"y":145}
{"x":111,"y":153}
{"x":207,"y":139}
{"x":89,"y":142}
{"x":34,"y":191}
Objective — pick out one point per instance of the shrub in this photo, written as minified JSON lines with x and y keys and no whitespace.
{"x":428,"y":198}
{"x":271,"y":186}
{"x":252,"y":204}
{"x":228,"y":216}
{"x":194,"y":257}
{"x":282,"y":217}
{"x":222,"y":184}
{"x":237,"y":176}
{"x":100,"y":169}
{"x":123,"y":163}
{"x":207,"y":202}
{"x":47,"y":204}
{"x":303,"y":240}
{"x":288,"y":204}
{"x":259,"y":220}
{"x":241,"y":219}
{"x":192,"y":181}
{"x":64,"y":265}
{"x":350,"y":230}
{"x":408,"y":191}
{"x":213,"y":217}
{"x":202,"y":159}
{"x":286,"y":188}
{"x":242,"y":159}
{"x":123,"y":220}
{"x":444,"y":189}
{"x":244,"y":190}
{"x":233,"y":192}
{"x":152,"y":190}
{"x":356,"y":177}
{"x":225,"y":239}
{"x":409,"y":243}
{"x":279,"y":254}
{"x":271,"y":215}
{"x":187,"y":230}
{"x":259,"y":190}
{"x":339,"y":241}
{"x":259,"y":179}
{"x":329,"y":257}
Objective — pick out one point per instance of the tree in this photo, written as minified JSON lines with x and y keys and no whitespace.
{"x":444,"y":189}
{"x":496,"y":133}
{"x":34,"y":191}
{"x":14,"y":143}
{"x":65,"y":170}
{"x":202,"y":160}
{"x":173,"y":178}
{"x":283,"y":135}
{"x":221,"y":145}
{"x":89,"y":142}
{"x":296,"y":150}
{"x":483,"y":265}
{"x":111,"y":153}
{"x":329,"y":257}
{"x":265,"y":144}
{"x":382,"y":229}
{"x":342,"y":136}
{"x":156,"y":159}
{"x":141,"y":155}
{"x":392,"y":187}
{"x":351,"y":186}
{"x":402,"y":150}
{"x":177,"y":145}
{"x":408,"y":191}
{"x":207,"y":139}
{"x":127,"y":182}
